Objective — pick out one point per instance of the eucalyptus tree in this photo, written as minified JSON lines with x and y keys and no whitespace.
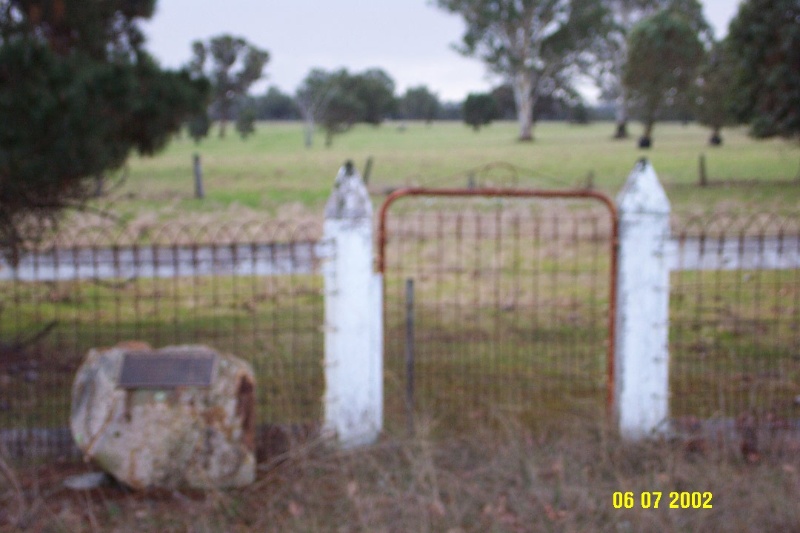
{"x":312,"y":98}
{"x":338,"y":99}
{"x":235,"y":66}
{"x":610,"y":54}
{"x":664,"y":53}
{"x":536,"y":46}
{"x":714,"y":95}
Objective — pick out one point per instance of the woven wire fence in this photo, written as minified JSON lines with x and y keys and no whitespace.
{"x":252,"y":290}
{"x":510,"y":310}
{"x":735,"y":318}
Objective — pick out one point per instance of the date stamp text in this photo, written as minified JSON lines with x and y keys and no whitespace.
{"x":652,"y":500}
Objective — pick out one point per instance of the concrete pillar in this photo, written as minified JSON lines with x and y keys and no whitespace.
{"x":641,"y":351}
{"x":353,"y":401}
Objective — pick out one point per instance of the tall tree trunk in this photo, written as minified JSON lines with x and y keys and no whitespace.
{"x":523,"y":99}
{"x":224,"y":115}
{"x":621,"y":115}
{"x":309,"y":131}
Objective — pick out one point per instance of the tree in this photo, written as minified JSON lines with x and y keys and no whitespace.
{"x":764,"y":38}
{"x":375,"y":90}
{"x":237,"y":65}
{"x":419,"y":103}
{"x":480,"y":109}
{"x":535,"y":45}
{"x":342,"y":111}
{"x":504,"y":98}
{"x":338,"y":100}
{"x":245,"y":122}
{"x":276,"y":105}
{"x":664,"y":52}
{"x":610,"y":54}
{"x":713,"y":101}
{"x":78,"y":93}
{"x":312,"y":98}
{"x":199,"y":126}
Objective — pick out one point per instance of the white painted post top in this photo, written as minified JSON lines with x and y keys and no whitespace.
{"x":349,"y":199}
{"x":642,"y":192}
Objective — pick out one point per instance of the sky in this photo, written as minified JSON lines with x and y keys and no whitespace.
{"x":410,"y":39}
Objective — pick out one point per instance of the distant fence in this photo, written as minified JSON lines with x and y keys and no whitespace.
{"x":253,"y":290}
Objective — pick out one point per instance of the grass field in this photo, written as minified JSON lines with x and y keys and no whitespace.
{"x":273,"y":172}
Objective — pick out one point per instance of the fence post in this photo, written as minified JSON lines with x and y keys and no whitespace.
{"x":198,"y":177}
{"x":353,"y":401}
{"x":641,"y":352}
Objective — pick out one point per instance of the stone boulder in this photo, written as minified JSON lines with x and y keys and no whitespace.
{"x":180,"y":416}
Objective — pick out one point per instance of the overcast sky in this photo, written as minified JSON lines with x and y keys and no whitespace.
{"x":410,"y":39}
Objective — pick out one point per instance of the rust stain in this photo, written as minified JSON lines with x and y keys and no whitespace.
{"x":214,"y":416}
{"x":245,"y":410}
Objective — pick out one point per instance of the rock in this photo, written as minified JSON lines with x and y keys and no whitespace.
{"x":148,"y":418}
{"x":88,"y":481}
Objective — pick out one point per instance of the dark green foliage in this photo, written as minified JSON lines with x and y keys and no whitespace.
{"x":609,"y":54}
{"x":664,"y":52}
{"x":72,"y":110}
{"x":374,"y":88}
{"x":579,"y":114}
{"x":419,"y":103}
{"x":342,"y":111}
{"x":276,"y":105}
{"x":504,"y":98}
{"x":480,"y":109}
{"x":199,"y":126}
{"x":714,"y":94}
{"x":245,"y":122}
{"x":236,"y":66}
{"x":764,"y":39}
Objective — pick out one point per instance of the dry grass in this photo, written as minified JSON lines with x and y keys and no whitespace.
{"x":505,"y":479}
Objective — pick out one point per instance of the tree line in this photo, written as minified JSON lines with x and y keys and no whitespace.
{"x":651,"y":59}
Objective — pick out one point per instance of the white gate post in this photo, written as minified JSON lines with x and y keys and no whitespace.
{"x":353,"y":401}
{"x":641,"y":351}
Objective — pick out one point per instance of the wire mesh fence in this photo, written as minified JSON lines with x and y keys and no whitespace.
{"x":511,"y":306}
{"x":512,"y":298}
{"x":250,"y":290}
{"x":735,"y":318}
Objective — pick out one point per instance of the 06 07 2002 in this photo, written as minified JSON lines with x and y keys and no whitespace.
{"x":651,"y":500}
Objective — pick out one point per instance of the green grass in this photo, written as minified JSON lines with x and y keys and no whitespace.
{"x":272,"y":168}
{"x":272,"y":322}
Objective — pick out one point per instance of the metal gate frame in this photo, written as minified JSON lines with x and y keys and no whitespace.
{"x":524,"y":193}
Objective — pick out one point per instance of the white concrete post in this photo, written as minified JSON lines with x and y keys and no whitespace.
{"x":353,"y":401}
{"x":641,"y":352}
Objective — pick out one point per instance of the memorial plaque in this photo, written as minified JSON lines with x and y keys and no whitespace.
{"x":166,"y":369}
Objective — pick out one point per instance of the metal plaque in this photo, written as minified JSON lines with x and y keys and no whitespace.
{"x":166,"y":369}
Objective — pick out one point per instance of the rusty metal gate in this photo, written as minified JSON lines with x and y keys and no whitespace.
{"x":512,"y":306}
